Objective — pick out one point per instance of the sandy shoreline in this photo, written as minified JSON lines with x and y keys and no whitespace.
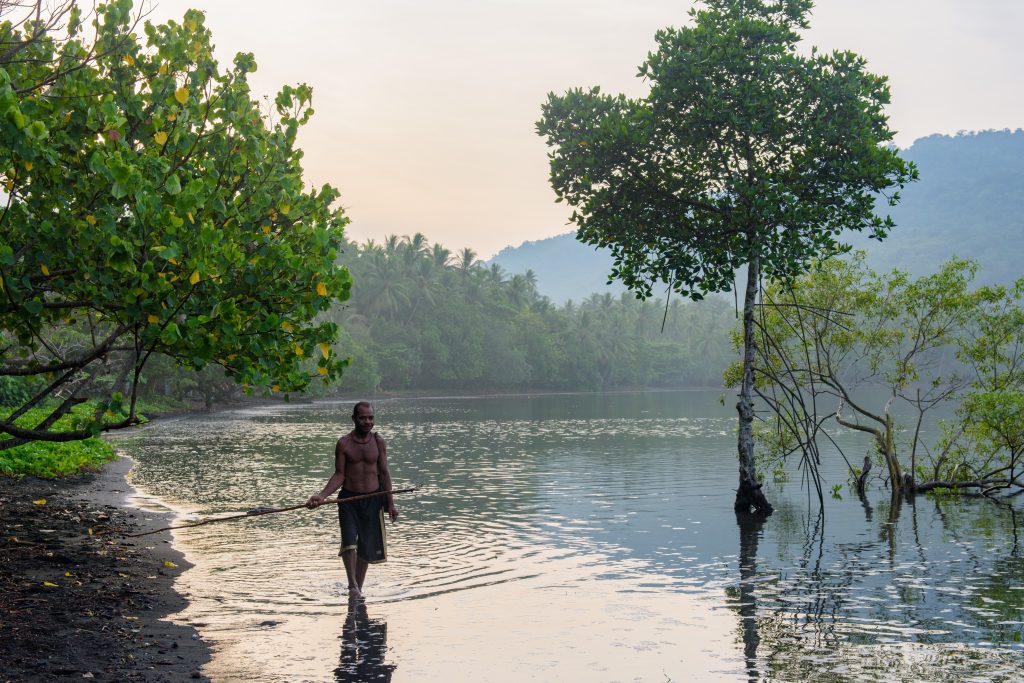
{"x":77,"y":605}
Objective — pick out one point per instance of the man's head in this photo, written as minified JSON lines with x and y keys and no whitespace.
{"x":362,"y":416}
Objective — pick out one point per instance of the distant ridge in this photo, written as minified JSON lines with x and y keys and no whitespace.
{"x":565,"y":268}
{"x":969,"y":202}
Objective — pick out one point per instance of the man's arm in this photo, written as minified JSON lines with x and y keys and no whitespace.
{"x":336,"y":480}
{"x":385,"y":477}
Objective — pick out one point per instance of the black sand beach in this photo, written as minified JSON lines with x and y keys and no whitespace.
{"x":76,"y":605}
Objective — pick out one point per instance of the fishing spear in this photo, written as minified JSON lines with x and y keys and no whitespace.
{"x":260,"y":511}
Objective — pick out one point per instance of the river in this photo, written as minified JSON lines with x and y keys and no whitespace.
{"x":585,"y":537}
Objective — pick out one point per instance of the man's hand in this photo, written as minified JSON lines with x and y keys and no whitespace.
{"x":392,"y":512}
{"x":315,"y":501}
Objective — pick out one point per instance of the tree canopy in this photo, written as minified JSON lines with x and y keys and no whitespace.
{"x":744,"y":151}
{"x":151,"y":207}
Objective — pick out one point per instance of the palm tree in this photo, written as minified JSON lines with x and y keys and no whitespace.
{"x":466,"y":261}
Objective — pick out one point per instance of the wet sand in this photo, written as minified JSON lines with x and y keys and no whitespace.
{"x":76,"y":605}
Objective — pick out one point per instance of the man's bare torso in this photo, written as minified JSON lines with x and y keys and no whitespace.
{"x":362,"y":461}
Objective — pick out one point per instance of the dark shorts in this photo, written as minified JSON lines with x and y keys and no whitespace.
{"x":362,"y":527}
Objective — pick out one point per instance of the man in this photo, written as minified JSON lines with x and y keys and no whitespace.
{"x":360,"y":467}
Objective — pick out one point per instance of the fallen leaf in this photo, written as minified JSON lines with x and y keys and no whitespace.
{"x":168,"y":563}
{"x":49,"y":585}
{"x":41,"y":501}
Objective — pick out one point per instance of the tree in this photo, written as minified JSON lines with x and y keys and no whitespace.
{"x":151,"y":207}
{"x":845,"y":346}
{"x":745,"y":151}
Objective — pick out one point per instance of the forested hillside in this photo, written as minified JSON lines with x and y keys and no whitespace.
{"x":969,"y":202}
{"x":423,"y":318}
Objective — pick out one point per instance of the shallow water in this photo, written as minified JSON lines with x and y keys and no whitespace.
{"x":575,"y":537}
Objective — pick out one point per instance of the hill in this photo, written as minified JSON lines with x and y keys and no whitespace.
{"x":565,"y":269}
{"x":969,"y":202}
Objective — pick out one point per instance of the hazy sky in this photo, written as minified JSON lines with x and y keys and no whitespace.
{"x":425,"y":109}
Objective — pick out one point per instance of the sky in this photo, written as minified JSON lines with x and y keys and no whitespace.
{"x":425,"y":109}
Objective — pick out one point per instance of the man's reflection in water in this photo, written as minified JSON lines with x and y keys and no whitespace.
{"x":364,"y":646}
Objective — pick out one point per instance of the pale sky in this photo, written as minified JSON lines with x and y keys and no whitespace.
{"x":425,"y":109}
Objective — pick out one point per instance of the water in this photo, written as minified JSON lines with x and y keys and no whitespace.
{"x":575,"y":537}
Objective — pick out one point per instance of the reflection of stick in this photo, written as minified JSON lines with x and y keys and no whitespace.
{"x":257,"y":512}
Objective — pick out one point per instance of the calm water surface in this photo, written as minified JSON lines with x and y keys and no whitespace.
{"x":575,"y":537}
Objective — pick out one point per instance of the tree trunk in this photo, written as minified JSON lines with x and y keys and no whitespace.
{"x":749,"y":496}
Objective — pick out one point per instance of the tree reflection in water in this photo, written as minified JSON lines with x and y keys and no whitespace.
{"x":750,"y":532}
{"x":889,"y":606}
{"x":364,"y":646}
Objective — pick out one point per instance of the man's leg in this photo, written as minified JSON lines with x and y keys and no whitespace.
{"x":348,"y":558}
{"x":361,"y":566}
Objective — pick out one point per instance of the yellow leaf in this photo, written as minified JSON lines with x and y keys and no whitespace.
{"x":266,"y":229}
{"x":173,"y":261}
{"x":191,"y":25}
{"x":194,"y":277}
{"x":298,"y":351}
{"x":160,"y":137}
{"x":28,"y":165}
{"x":49,"y":585}
{"x":172,"y":117}
{"x":275,"y":388}
{"x":321,"y":371}
{"x":181,"y":94}
{"x":41,"y":501}
{"x":190,"y":219}
{"x":284,"y":208}
{"x":153,"y":320}
{"x":129,"y":60}
{"x":67,"y":573}
{"x":321,"y":289}
{"x":325,"y":349}
{"x":90,"y":219}
{"x":287,"y":326}
{"x":46,"y":271}
{"x":168,"y":563}
{"x":162,"y":69}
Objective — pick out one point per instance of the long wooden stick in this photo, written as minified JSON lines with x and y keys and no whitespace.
{"x":259,"y":512}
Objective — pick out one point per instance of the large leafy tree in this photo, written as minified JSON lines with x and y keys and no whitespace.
{"x":745,"y":151}
{"x":151,"y":207}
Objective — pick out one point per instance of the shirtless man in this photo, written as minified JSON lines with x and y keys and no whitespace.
{"x":360,"y":466}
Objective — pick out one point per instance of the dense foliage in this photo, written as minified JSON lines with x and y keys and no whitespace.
{"x":746,"y":150}
{"x":423,"y":318}
{"x":151,"y":208}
